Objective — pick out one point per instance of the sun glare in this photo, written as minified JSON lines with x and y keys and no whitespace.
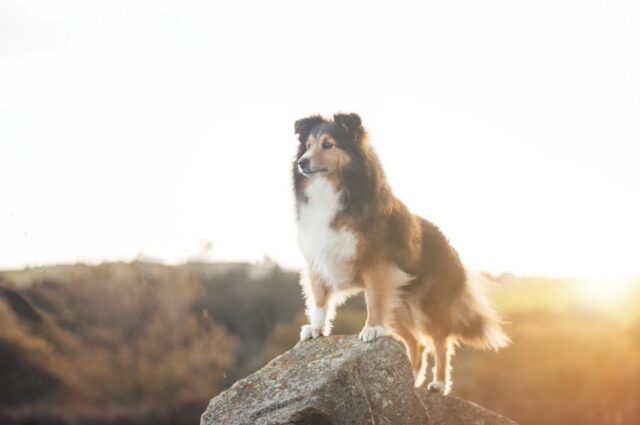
{"x":604,"y":291}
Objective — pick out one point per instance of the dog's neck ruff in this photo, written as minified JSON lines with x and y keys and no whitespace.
{"x":329,"y":251}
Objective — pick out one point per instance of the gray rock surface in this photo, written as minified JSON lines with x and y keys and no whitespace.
{"x":447,"y":410}
{"x":340,"y":380}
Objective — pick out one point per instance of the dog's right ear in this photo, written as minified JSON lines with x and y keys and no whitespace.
{"x":303,"y":126}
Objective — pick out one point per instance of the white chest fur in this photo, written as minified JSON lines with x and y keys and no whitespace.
{"x":329,"y":252}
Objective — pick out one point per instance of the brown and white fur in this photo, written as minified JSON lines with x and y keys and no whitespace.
{"x":357,"y":236}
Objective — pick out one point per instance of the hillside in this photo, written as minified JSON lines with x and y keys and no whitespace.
{"x":153,"y":343}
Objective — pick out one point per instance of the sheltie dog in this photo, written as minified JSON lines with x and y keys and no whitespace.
{"x":357,"y":236}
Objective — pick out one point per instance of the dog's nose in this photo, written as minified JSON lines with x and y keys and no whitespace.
{"x":303,"y":163}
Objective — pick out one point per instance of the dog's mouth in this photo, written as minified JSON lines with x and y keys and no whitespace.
{"x":309,"y":173}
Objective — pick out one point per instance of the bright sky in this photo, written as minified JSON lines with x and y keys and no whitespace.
{"x":150,"y":127}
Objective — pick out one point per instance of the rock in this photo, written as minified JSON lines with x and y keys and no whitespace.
{"x":447,"y":410}
{"x":335,"y":380}
{"x":340,"y":380}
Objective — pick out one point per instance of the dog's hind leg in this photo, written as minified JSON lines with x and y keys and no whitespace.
{"x":442,"y":352}
{"x":421,"y":366}
{"x":416,"y":351}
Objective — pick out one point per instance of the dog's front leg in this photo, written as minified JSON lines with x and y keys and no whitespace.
{"x":318,"y":297}
{"x":379,"y":297}
{"x":382,"y":285}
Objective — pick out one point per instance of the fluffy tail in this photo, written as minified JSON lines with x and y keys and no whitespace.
{"x":475,"y":322}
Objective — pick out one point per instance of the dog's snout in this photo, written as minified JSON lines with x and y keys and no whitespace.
{"x":303,"y":163}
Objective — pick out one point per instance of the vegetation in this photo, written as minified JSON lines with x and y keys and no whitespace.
{"x":123,"y":340}
{"x":145,"y":343}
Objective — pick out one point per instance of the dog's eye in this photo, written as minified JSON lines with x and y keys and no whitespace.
{"x":307,"y":146}
{"x":327,"y":145}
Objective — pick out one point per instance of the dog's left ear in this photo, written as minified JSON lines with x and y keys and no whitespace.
{"x":352,"y":124}
{"x":303,"y":126}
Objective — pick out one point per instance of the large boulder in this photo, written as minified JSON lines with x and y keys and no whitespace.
{"x":447,"y":410}
{"x":340,"y":380}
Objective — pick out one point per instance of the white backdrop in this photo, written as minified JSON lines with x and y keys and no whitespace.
{"x":134,"y":128}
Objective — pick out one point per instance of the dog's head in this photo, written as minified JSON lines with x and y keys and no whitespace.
{"x":326,"y":146}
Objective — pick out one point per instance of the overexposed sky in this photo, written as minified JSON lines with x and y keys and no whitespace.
{"x":149,"y":127}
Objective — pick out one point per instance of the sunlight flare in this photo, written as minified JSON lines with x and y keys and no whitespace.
{"x":604,"y":292}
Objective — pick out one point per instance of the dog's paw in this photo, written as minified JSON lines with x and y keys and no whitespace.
{"x":308,"y":332}
{"x":438,"y":387}
{"x":369,"y":333}
{"x":419,"y":379}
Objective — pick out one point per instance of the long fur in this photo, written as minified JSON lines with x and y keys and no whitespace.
{"x":414,"y":282}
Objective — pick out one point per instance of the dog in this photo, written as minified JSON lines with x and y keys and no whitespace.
{"x":357,"y":236}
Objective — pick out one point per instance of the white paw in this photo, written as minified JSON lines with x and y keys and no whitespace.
{"x":419,"y":379}
{"x":369,"y":333}
{"x":308,"y":332}
{"x":438,"y":387}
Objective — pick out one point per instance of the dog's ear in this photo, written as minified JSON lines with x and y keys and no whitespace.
{"x":352,"y":124}
{"x":303,"y":126}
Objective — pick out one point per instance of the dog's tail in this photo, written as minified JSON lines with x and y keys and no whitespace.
{"x":475,"y":322}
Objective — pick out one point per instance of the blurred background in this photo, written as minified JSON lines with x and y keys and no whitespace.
{"x":147,"y":240}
